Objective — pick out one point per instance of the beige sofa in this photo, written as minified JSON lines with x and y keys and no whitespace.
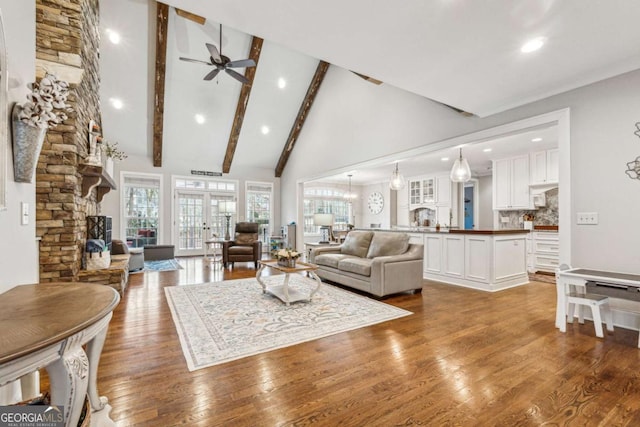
{"x":380,"y":263}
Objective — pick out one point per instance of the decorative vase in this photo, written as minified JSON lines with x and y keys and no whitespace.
{"x":287,"y":262}
{"x":108,"y":166}
{"x":27,"y":143}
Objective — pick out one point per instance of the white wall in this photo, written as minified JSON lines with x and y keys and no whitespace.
{"x":384,"y":217}
{"x":18,"y":245}
{"x":362,"y":121}
{"x":485,"y":208}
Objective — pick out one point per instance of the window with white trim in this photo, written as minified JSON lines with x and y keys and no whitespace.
{"x":259,"y":196}
{"x":141,"y":212}
{"x":325,"y":200}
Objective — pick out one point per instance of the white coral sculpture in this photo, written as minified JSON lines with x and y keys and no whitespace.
{"x":47,"y":103}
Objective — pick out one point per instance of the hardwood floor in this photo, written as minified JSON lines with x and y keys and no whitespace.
{"x":464,"y":357}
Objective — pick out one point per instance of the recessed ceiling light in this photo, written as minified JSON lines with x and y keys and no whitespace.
{"x":487,"y":150}
{"x":199,"y":119}
{"x":114,"y":36}
{"x":536,"y":140}
{"x":116,"y":103}
{"x":264,"y":130}
{"x":532,"y":45}
{"x":444,"y":159}
{"x":282,"y":83}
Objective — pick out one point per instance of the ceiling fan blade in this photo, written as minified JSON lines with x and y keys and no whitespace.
{"x":239,"y":77}
{"x":195,"y":60}
{"x":213,"y":51}
{"x":212,"y":74}
{"x":241,"y":63}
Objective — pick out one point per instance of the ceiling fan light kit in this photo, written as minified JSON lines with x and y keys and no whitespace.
{"x":461,"y":172}
{"x":223,"y":63}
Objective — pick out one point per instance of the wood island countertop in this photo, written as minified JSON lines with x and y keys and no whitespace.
{"x":450,"y":231}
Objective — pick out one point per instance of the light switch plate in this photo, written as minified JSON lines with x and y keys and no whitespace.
{"x":24,"y":213}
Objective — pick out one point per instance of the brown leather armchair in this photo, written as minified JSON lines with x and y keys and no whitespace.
{"x":245,"y":246}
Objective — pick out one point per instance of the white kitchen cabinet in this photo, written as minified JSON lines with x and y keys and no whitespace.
{"x":416,"y":238}
{"x":443,"y":190}
{"x":433,"y":253}
{"x":429,"y":190}
{"x":453,"y":255}
{"x":512,"y":251}
{"x":544,"y":167}
{"x":511,"y":183}
{"x":530,"y":254}
{"x":443,"y":215}
{"x":546,"y":250}
{"x":553,"y":165}
{"x":477,"y":262}
{"x":415,"y":193}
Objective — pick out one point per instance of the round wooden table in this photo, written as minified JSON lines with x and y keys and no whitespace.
{"x":46,"y":325}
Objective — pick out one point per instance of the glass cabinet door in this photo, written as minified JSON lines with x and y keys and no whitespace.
{"x":428,"y":191}
{"x":414,"y":193}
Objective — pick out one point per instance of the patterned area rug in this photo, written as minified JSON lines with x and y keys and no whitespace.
{"x":162,"y":265}
{"x":224,"y":321}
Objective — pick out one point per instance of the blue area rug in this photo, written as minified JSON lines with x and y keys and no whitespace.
{"x":162,"y":265}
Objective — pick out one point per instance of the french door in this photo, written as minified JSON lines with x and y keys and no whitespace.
{"x":199,"y":216}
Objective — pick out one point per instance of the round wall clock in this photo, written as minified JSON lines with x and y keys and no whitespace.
{"x":375,"y":202}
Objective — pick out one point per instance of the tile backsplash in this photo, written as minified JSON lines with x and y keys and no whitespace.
{"x":546,"y":215}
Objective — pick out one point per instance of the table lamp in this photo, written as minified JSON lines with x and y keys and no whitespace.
{"x":324,"y":221}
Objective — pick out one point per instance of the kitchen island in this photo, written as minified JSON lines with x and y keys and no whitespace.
{"x":489,"y":260}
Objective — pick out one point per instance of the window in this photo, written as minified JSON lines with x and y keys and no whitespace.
{"x":325,"y":200}
{"x":259,"y":195}
{"x":141,"y":208}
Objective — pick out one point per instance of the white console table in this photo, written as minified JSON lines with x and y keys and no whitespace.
{"x":45,"y":326}
{"x":581,"y":276}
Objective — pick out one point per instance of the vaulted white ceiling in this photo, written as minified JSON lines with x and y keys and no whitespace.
{"x":461,"y":53}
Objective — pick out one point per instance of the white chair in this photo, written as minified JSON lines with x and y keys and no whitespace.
{"x":577,"y":296}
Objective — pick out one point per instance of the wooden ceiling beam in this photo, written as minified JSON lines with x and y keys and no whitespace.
{"x":191,"y":16}
{"x":241,"y":108}
{"x":303,"y":112}
{"x":162,"y":21}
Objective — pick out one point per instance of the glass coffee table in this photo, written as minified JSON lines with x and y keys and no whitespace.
{"x":282,"y":291}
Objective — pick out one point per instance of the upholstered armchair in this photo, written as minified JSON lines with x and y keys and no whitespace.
{"x":245,"y":246}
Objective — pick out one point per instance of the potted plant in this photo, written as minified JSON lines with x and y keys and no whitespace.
{"x":286,"y":257}
{"x":46,"y":107}
{"x":111,"y":153}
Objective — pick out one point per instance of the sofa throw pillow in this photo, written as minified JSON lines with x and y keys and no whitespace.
{"x":357,"y":243}
{"x":388,"y":244}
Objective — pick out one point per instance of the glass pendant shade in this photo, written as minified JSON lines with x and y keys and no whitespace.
{"x":461,"y":172}
{"x":350,"y":195}
{"x":397,"y":180}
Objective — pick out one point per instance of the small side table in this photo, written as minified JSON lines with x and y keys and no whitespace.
{"x":136,"y":260}
{"x":283,"y":292}
{"x":212,"y":248}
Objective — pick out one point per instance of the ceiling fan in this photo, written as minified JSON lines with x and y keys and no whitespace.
{"x":222,"y":62}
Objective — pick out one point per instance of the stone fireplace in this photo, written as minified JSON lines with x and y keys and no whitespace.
{"x":67,"y":45}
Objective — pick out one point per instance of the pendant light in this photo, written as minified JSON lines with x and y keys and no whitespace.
{"x":350,"y":195}
{"x":461,"y":172}
{"x":397,"y":180}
